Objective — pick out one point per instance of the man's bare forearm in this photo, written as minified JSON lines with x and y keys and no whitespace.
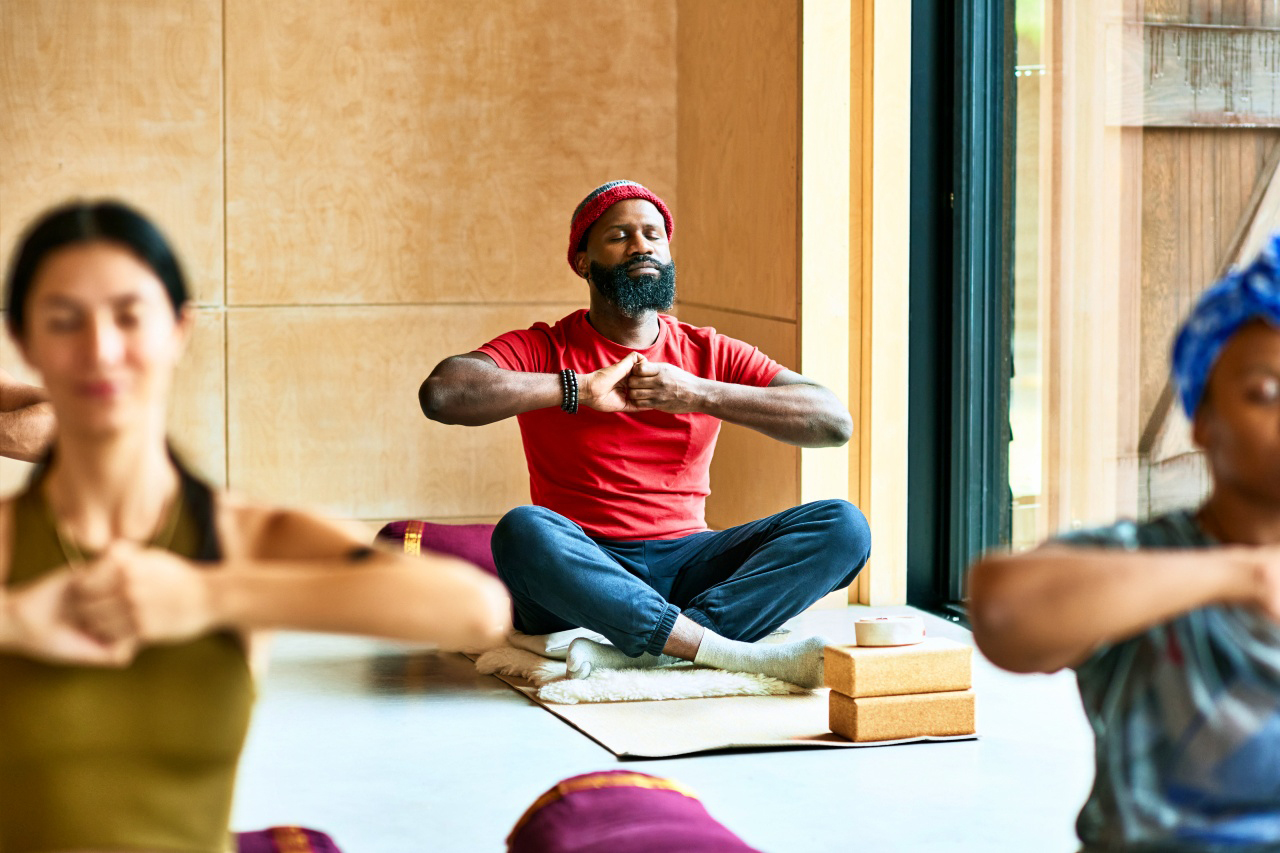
{"x":801,"y":414}
{"x":26,"y":432}
{"x":16,"y":395}
{"x":26,"y":419}
{"x":472,"y":391}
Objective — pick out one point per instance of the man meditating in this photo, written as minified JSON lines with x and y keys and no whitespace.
{"x":619,"y":409}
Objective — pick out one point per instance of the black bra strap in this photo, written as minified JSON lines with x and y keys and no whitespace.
{"x":198,"y":497}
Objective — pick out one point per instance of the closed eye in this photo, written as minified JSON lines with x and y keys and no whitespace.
{"x":63,"y":319}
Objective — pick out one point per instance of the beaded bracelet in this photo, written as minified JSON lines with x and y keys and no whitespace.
{"x":569,"y":391}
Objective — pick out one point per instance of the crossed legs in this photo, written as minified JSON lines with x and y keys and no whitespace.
{"x":705,"y":597}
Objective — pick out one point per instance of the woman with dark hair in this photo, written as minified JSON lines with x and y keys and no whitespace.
{"x":1173,"y":625}
{"x":130,"y":592}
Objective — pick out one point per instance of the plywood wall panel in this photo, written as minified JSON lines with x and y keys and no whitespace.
{"x":406,"y":151}
{"x":119,"y":98}
{"x":13,"y":475}
{"x":323,"y":411}
{"x":751,"y":475}
{"x":382,"y":158}
{"x":739,"y":124}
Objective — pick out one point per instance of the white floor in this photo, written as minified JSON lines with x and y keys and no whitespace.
{"x":392,"y":750}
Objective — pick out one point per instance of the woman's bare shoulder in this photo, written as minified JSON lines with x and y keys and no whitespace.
{"x":243,"y":524}
{"x":258,"y":530}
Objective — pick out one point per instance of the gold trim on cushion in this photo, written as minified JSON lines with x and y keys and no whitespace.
{"x":596,"y":781}
{"x":413,"y":538}
{"x":291,"y":839}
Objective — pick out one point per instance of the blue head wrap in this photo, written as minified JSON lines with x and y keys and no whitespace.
{"x":1244,"y":294}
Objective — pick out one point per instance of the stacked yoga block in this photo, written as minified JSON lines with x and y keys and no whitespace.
{"x":903,"y":691}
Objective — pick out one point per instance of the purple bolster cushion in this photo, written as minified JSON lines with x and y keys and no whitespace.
{"x":619,"y":811}
{"x":469,"y":542}
{"x":285,"y":839}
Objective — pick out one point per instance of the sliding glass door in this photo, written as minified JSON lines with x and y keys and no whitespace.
{"x":1108,"y":161}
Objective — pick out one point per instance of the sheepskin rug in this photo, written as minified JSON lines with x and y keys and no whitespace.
{"x":678,"y":681}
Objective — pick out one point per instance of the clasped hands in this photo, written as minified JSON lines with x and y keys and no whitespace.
{"x":103,"y":613}
{"x":635,"y":384}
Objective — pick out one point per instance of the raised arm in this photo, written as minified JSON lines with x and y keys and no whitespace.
{"x":792,"y":408}
{"x":26,"y":420}
{"x":307,"y":574}
{"x":471,"y":390}
{"x":1052,"y":607}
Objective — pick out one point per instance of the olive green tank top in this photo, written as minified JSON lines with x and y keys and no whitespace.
{"x":115,"y":759}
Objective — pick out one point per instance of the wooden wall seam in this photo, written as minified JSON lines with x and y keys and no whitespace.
{"x":737,"y":311}
{"x":226,"y":240}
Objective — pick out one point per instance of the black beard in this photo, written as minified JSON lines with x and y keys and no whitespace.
{"x":635,"y":297}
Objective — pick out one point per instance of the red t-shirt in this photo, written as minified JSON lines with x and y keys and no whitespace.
{"x":625,"y":475}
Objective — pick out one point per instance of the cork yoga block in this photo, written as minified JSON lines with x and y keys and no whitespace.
{"x":875,"y":718}
{"x":933,"y":666}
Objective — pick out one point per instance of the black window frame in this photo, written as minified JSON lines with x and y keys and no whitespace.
{"x":961,"y":285}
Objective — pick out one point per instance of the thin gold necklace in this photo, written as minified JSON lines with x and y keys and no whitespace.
{"x":166,"y":529}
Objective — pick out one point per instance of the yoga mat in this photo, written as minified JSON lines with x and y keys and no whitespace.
{"x":676,"y":727}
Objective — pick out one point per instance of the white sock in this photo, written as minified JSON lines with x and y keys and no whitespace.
{"x":588,"y":655}
{"x":799,"y":662}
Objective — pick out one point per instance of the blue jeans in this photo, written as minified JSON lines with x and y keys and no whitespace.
{"x":741,"y":583}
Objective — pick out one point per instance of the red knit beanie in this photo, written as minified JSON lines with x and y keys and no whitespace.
{"x":601,"y":199}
